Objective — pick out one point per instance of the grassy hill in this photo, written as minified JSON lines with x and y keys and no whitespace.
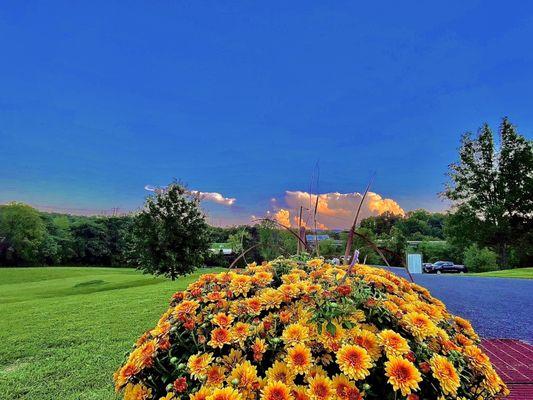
{"x":64,"y":330}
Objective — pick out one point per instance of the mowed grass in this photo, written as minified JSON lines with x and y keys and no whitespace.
{"x":518,"y":273}
{"x":64,"y":330}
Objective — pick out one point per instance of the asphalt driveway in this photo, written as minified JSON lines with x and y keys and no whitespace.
{"x":497,"y":307}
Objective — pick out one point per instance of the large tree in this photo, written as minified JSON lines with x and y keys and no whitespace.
{"x":170,"y":236}
{"x":22,"y":233}
{"x":495,"y":184}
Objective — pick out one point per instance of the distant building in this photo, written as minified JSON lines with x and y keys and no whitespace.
{"x":221,"y":248}
{"x":319,"y":238}
{"x":312,"y":239}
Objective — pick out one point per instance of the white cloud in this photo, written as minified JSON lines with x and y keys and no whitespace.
{"x":207,"y":196}
{"x":215,"y":197}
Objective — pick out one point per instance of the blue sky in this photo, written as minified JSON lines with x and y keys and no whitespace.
{"x":99,"y":99}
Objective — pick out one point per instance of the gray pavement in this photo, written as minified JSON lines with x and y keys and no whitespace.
{"x":497,"y":307}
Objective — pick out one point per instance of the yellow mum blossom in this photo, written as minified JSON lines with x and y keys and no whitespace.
{"x":276,"y":390}
{"x":354,"y":361}
{"x":444,"y":371}
{"x":224,"y":394}
{"x":402,"y":374}
{"x":280,"y":372}
{"x":295,"y":333}
{"x":393,"y":343}
{"x":198,"y":364}
{"x":299,"y":358}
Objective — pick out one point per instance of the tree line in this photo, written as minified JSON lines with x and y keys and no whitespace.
{"x":489,"y":225}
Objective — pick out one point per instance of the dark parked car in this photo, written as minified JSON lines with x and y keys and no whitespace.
{"x":444,"y":266}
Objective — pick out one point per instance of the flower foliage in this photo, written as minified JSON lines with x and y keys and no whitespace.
{"x":298,"y":330}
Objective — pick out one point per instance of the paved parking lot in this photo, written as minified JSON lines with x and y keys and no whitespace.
{"x":497,"y":307}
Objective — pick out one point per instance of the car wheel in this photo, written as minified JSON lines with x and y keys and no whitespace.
{"x":439,"y":272}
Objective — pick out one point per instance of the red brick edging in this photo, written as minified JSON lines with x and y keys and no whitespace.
{"x":513,"y":359}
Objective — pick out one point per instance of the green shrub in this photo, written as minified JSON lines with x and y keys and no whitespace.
{"x":480,"y":260}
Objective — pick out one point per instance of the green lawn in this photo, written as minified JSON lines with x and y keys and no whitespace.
{"x":64,"y":330}
{"x":520,"y":273}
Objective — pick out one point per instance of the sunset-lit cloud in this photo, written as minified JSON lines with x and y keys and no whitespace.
{"x":334,"y":210}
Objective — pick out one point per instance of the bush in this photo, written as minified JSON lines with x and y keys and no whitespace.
{"x":480,"y":260}
{"x":294,"y":330}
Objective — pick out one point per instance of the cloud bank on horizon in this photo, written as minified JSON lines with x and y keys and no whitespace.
{"x":335,"y":210}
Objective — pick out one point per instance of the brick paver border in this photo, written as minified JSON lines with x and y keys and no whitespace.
{"x":513,"y":359}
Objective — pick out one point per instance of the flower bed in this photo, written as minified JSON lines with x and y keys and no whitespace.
{"x":293,"y":330}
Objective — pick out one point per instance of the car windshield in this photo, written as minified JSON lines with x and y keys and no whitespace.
{"x":440,"y":263}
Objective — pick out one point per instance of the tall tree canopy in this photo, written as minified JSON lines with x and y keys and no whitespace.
{"x":170,"y":235}
{"x":495,"y":184}
{"x":22,"y":233}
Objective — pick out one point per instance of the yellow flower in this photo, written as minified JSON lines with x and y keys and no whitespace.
{"x":124,"y":374}
{"x":299,"y":358}
{"x":240,"y":331}
{"x":444,"y":371}
{"x":369,"y":342}
{"x":136,"y":392}
{"x":354,"y":361}
{"x":271,"y":298}
{"x":320,"y":388}
{"x":419,"y":325}
{"x":222,"y":320}
{"x":198,"y":364}
{"x":276,"y":390}
{"x":215,"y":376}
{"x":280,"y":372}
{"x":245,"y":374}
{"x":341,"y":385}
{"x":200,"y":394}
{"x":220,"y":337}
{"x":393,"y":343}
{"x":240,"y":284}
{"x":224,"y":394}
{"x":295,"y":333}
{"x":299,"y":393}
{"x":402,"y":374}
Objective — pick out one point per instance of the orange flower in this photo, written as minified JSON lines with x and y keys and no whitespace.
{"x":393,"y":343}
{"x":124,"y":374}
{"x":295,"y":333}
{"x":280,"y":372}
{"x":240,"y":331}
{"x":320,"y":388}
{"x":200,"y":394}
{"x":222,"y":320}
{"x":240,"y":284}
{"x":341,"y":386}
{"x":253,"y":305}
{"x":276,"y":390}
{"x":224,"y":394}
{"x":403,"y":375}
{"x":299,"y":358}
{"x":419,"y":325}
{"x":259,"y":347}
{"x":245,"y":374}
{"x":368,"y":341}
{"x":445,"y":373}
{"x":354,"y":361}
{"x":137,"y":392}
{"x":220,"y":337}
{"x":215,"y":375}
{"x":271,"y":298}
{"x":198,"y":364}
